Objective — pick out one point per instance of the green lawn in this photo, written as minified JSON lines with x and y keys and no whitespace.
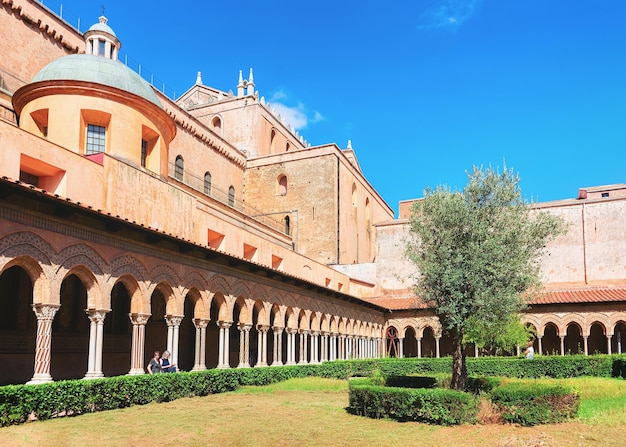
{"x":311,"y":412}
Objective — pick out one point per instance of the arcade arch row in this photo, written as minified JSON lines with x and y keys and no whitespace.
{"x":69,"y":314}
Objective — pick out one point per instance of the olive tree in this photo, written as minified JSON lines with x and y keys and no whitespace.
{"x":477,"y":253}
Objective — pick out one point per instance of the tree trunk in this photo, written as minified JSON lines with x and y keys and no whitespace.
{"x":459,"y":369}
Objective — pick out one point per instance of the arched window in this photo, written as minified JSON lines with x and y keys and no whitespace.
{"x":207,"y":183}
{"x":368,"y":212}
{"x":216,"y":123}
{"x":287,"y":225}
{"x":354,"y":195}
{"x":287,"y":147}
{"x":282,"y":185}
{"x":179,"y":168}
{"x":231,"y":196}
{"x":272,"y":141}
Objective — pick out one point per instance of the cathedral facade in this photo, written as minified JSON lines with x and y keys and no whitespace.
{"x":132,"y":222}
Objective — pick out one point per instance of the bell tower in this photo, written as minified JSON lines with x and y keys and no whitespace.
{"x":100,"y":40}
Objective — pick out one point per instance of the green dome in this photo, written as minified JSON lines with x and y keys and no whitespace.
{"x":100,"y":70}
{"x":103,"y":27}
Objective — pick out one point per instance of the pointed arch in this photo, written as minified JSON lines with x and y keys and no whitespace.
{"x":127,"y":265}
{"x":80,"y":254}
{"x":95,"y":300}
{"x":38,"y":278}
{"x":26,"y":243}
{"x":218,"y":283}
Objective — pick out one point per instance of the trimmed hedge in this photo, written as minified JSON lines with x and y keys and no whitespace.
{"x":431,"y":405}
{"x":411,"y":381}
{"x":19,"y":403}
{"x":533,"y":404}
{"x":479,"y":385}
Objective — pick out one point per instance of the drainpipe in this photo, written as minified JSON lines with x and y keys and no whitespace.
{"x":584,"y":245}
{"x":338,"y":211}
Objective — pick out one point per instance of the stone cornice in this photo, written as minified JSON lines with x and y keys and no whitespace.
{"x":29,"y":92}
{"x":55,"y":29}
{"x":196,"y":129}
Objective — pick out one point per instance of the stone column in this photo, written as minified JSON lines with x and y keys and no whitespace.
{"x":476,"y":350}
{"x":173,"y":334}
{"x":199,"y":363}
{"x":264,"y":330}
{"x":419,"y":347}
{"x":400,"y":348}
{"x":302,"y":358}
{"x":278,"y":347}
{"x":138,"y":343}
{"x":348,"y":347}
{"x":437,"y":340}
{"x":244,"y":345}
{"x":291,"y":346}
{"x":608,"y":344}
{"x":45,"y":314}
{"x":289,"y":360}
{"x":539,"y":346}
{"x":305,"y":348}
{"x":224,"y":345}
{"x":585,"y":343}
{"x":94,"y":368}
{"x":562,"y":337}
{"x":261,"y":359}
{"x":315,"y":345}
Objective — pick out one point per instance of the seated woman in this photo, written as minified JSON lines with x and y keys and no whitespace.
{"x":166,"y":366}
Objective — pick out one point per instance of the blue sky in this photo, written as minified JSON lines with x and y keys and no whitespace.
{"x":424,"y":89}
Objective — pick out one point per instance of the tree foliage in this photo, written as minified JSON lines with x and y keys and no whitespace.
{"x":478,"y":254}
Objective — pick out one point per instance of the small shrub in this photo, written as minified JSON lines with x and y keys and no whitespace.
{"x":533,"y":404}
{"x":435,"y":405}
{"x":377,"y":378}
{"x":413,"y":382}
{"x":479,"y":385}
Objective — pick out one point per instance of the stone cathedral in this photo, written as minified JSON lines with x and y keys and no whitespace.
{"x":206,"y":225}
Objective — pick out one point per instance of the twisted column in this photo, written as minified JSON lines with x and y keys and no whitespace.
{"x":45,"y":314}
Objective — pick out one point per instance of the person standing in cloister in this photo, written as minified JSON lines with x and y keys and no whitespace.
{"x":154,"y":367}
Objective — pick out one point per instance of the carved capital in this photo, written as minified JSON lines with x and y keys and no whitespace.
{"x":244,"y":327}
{"x":45,"y":311}
{"x":200,"y":323}
{"x":173,"y":320}
{"x":139,"y":319}
{"x":96,"y":316}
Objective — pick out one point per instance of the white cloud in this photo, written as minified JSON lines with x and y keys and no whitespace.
{"x":292,"y":115}
{"x":447,"y":14}
{"x":317,"y":117}
{"x":296,"y":116}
